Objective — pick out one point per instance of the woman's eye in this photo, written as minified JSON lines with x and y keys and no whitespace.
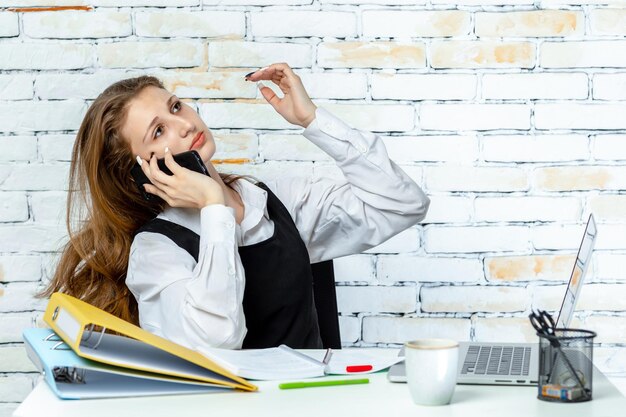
{"x":158,"y":131}
{"x":176,"y":107}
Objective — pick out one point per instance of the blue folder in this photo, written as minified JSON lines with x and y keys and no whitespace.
{"x":72,"y":377}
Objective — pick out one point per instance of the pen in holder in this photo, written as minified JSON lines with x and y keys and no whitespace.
{"x":565,"y":360}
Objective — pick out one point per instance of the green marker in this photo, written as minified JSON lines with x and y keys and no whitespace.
{"x":291,"y":385}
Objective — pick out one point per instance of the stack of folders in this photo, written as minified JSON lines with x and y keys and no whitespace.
{"x":89,"y":353}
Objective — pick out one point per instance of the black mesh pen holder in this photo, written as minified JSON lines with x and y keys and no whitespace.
{"x":566,"y":365}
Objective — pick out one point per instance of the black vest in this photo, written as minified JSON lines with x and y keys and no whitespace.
{"x":278,"y":298}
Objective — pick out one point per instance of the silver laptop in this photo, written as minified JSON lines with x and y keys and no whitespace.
{"x":515,"y":363}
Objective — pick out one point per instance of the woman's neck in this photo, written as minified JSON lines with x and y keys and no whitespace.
{"x":231,"y":197}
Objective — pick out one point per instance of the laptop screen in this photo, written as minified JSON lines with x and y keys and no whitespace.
{"x":578,"y":274}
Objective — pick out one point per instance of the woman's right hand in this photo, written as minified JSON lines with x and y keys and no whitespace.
{"x":185,"y":188}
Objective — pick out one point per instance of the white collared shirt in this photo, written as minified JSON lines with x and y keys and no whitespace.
{"x":200,"y":304}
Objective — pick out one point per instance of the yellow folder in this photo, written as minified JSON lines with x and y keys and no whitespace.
{"x":97,"y":335}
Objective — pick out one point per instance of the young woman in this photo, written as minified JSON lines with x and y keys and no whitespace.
{"x":254,"y":238}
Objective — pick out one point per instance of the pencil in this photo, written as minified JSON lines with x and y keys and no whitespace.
{"x":291,"y":385}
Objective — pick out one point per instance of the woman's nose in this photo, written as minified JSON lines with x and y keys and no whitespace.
{"x":186,"y":127}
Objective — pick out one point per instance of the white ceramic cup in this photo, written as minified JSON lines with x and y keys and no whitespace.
{"x":431,"y":370}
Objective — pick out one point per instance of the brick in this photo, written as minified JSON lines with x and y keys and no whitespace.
{"x":212,"y":84}
{"x":258,"y":115}
{"x":529,"y":268}
{"x":608,"y":21}
{"x":13,"y":207}
{"x":471,"y":299}
{"x":583,"y":54}
{"x":424,"y":86}
{"x":378,"y":54}
{"x":484,"y":2}
{"x":535,"y":148}
{"x":610,"y":266}
{"x":13,"y":324}
{"x":18,"y":148}
{"x":569,"y":178}
{"x":474,"y":116}
{"x":9,"y":25}
{"x":31,"y":238}
{"x":482,"y":54}
{"x":14,"y":359}
{"x":610,"y":236}
{"x":557,"y":236}
{"x":254,"y":2}
{"x":303,"y":24}
{"x":480,"y":179}
{"x":609,"y":147}
{"x":579,"y":116}
{"x":290,"y":148}
{"x":504,"y":329}
{"x":375,"y":117}
{"x":29,"y":116}
{"x":536,"y":23}
{"x":20,"y":296}
{"x":149,"y":3}
{"x":34,"y":177}
{"x":446,"y":209}
{"x":608,"y":207}
{"x":332,"y":85}
{"x":56,"y":147}
{"x":236,"y":146}
{"x":205,"y":24}
{"x":16,"y":86}
{"x":355,"y":268}
{"x":475,"y":239}
{"x":609,"y":329}
{"x":415,"y":24}
{"x":349,"y":329}
{"x":77,"y":86}
{"x":609,"y":86}
{"x":377,"y":299}
{"x":258,"y":54}
{"x":422,"y":269}
{"x":603,"y":297}
{"x":383,"y":2}
{"x":432,"y":148}
{"x":405,"y":241}
{"x":45,"y":56}
{"x":14,"y":268}
{"x":167,"y":54}
{"x":15,"y":387}
{"x":535,"y":86}
{"x":611,"y":360}
{"x":49,"y":207}
{"x":77,"y":24}
{"x":402,"y":329}
{"x":527,"y":209}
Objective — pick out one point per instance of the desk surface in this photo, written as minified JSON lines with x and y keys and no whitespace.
{"x":378,"y":398}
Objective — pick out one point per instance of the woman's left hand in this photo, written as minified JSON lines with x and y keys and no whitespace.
{"x":296,"y":106}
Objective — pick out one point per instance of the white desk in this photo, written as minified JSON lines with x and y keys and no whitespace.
{"x":378,"y":398}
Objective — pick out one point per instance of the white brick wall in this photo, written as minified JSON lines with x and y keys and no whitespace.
{"x":511,"y":118}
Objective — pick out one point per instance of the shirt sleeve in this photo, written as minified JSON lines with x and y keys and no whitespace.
{"x":187,"y":302}
{"x":375,"y":201}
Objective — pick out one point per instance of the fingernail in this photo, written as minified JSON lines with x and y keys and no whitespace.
{"x":260,"y":85}
{"x":167,"y":149}
{"x":139,"y":161}
{"x":249,"y":74}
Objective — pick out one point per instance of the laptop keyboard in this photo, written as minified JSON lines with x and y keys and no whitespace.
{"x":497,"y":360}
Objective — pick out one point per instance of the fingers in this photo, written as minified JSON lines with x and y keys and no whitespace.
{"x":270,"y":96}
{"x":272,"y":72}
{"x":171,"y":163}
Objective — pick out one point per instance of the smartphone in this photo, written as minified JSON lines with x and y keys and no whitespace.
{"x":189,"y":159}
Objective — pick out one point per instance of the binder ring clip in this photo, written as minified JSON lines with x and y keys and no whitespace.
{"x":95,"y":346}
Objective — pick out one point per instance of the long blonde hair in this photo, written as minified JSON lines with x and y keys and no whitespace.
{"x":104,"y":206}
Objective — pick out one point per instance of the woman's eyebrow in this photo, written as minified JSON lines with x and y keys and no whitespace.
{"x":156,"y":118}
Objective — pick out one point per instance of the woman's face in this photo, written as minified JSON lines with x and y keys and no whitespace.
{"x":157,"y":119}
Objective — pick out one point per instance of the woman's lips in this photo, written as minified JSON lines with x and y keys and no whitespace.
{"x":198,"y":141}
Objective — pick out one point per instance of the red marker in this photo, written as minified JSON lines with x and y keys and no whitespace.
{"x":358,"y":368}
